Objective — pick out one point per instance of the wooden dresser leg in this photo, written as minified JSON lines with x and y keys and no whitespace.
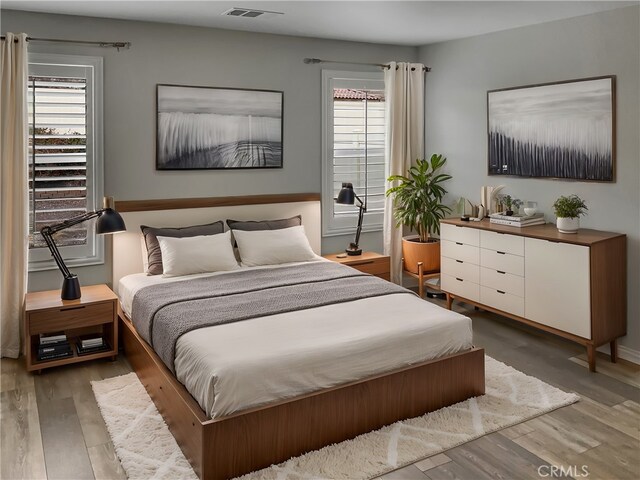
{"x":449,"y":301}
{"x":420,"y":280}
{"x":591,"y":355}
{"x":614,"y":350}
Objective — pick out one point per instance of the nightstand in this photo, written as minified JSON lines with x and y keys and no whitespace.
{"x":94,"y":313}
{"x":368,"y":262}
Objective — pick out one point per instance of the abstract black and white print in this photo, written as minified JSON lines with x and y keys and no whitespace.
{"x":216,"y":128}
{"x":562,"y":130}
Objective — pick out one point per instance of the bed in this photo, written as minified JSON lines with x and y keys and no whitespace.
{"x":243,"y":395}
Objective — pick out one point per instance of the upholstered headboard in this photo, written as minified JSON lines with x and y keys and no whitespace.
{"x":127,"y":246}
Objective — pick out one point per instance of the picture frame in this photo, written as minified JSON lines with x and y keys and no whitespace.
{"x":560,"y":130}
{"x":216,"y":128}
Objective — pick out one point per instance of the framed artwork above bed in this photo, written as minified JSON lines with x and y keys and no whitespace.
{"x":562,"y":130}
{"x":218,"y":128}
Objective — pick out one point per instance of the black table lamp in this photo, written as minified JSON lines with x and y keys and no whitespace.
{"x":109,"y":221}
{"x":347,"y":196}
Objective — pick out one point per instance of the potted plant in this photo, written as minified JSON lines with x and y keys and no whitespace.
{"x":568,"y":211}
{"x":510,"y":204}
{"x":418,"y":205}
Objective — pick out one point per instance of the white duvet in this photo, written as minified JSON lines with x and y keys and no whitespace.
{"x":236,"y":366}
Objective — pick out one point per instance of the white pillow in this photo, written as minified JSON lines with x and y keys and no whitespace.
{"x":200,"y":254}
{"x":272,"y":247}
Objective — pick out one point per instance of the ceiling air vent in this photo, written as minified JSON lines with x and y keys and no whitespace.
{"x":249,"y":13}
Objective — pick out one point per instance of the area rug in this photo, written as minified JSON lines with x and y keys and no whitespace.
{"x":147,"y":449}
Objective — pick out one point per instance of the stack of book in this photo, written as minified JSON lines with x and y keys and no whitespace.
{"x":91,"y":343}
{"x":517,"y":220}
{"x":53,"y":346}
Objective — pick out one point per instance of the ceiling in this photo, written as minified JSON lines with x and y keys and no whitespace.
{"x":388,"y":22}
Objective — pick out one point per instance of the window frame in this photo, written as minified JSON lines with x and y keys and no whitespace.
{"x":92,"y":253}
{"x":345,"y":224}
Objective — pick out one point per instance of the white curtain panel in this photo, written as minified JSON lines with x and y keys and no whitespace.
{"x":14,"y":194}
{"x":404,"y":91}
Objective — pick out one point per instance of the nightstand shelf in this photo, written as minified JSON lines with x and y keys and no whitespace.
{"x":94,"y":313}
{"x":369,"y":262}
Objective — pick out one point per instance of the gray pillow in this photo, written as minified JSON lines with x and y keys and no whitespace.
{"x":151,"y":235}
{"x":253,"y":225}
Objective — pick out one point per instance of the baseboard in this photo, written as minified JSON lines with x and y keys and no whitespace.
{"x":626,"y":353}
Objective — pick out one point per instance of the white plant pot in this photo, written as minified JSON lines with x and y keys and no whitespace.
{"x":568,"y":225}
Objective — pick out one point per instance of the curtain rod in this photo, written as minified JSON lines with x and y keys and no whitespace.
{"x":117,"y":45}
{"x":381,"y":65}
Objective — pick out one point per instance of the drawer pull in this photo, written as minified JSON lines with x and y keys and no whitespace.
{"x":501,"y":253}
{"x":71,"y":308}
{"x":459,"y":279}
{"x":500,"y":291}
{"x":501,"y":272}
{"x":458,"y":243}
{"x":459,"y":261}
{"x":364,"y":262}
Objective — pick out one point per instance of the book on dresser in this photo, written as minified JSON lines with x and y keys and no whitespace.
{"x":518,"y":223}
{"x":516,"y":217}
{"x":517,"y":220}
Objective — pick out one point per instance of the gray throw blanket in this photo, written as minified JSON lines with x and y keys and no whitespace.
{"x":162,"y":313}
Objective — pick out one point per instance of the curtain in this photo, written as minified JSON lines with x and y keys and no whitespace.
{"x":404,"y":95}
{"x":14,"y":193}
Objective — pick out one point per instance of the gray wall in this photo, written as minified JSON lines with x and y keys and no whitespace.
{"x":602,"y":44}
{"x":163,"y":53}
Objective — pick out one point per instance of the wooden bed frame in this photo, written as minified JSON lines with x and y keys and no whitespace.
{"x":236,"y":444}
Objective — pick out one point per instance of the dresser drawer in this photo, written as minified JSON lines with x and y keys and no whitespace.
{"x":64,"y":318}
{"x":460,"y":251}
{"x":502,"y":242}
{"x":461,"y":287}
{"x":504,"y":262}
{"x":468,"y":236}
{"x":458,"y":268}
{"x":502,"y":301}
{"x":499,"y":280}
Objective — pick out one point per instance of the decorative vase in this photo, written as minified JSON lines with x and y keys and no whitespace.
{"x":568,"y":224}
{"x":509,"y":212}
{"x":414,"y":251}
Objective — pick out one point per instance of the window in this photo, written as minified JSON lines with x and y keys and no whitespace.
{"x":353,"y":148}
{"x":65,"y":155}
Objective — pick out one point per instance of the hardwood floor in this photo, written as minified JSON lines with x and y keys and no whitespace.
{"x":51,"y":426}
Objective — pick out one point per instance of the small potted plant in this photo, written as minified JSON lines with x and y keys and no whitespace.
{"x":418,"y":205}
{"x":568,"y":211}
{"x":510,"y":203}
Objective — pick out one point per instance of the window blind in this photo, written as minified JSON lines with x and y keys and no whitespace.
{"x":57,"y":156}
{"x":358,"y":146}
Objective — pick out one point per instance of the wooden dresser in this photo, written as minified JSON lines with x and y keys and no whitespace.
{"x":573,"y":285}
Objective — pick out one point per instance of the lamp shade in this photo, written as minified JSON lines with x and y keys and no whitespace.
{"x":109,"y":222}
{"x":346,"y":196}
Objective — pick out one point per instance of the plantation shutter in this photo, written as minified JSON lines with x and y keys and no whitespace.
{"x":64,"y":155}
{"x":57,"y":156}
{"x":358,"y":146}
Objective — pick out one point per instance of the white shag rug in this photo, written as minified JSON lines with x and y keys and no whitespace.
{"x":147,"y":449}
